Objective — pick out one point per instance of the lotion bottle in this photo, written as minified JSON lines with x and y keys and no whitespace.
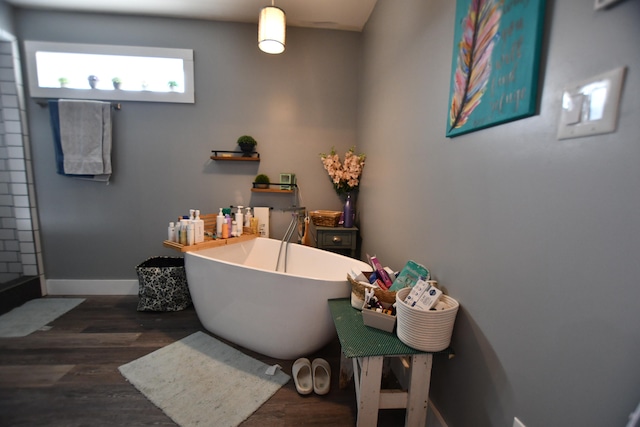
{"x":239,"y":221}
{"x":171,"y":232}
{"x":219,"y":222}
{"x":183,"y":232}
{"x":247,"y":217}
{"x":199,"y":228}
{"x":190,"y":233}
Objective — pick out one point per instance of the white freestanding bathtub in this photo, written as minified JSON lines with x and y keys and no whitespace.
{"x":239,"y":296}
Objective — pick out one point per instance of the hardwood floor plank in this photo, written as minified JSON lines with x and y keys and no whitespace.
{"x":68,"y":376}
{"x":32,"y":376}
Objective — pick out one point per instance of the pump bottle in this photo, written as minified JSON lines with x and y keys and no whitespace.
{"x":198,"y":228}
{"x":239,"y":222}
{"x":247,"y":217}
{"x":219,"y":222}
{"x":171,"y":232}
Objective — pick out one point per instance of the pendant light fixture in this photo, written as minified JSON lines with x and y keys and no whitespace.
{"x":271,"y":29}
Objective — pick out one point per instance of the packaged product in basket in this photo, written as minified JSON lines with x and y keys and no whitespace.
{"x":409,"y":275}
{"x":424,"y":295}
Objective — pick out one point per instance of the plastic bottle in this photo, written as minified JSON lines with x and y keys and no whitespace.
{"x":228,"y":219}
{"x":190,"y":233}
{"x":225,"y":230}
{"x":171,"y":232}
{"x":198,"y":228}
{"x":219,"y":222}
{"x":183,"y":232}
{"x":234,"y":228}
{"x":239,"y":221}
{"x":247,"y":217}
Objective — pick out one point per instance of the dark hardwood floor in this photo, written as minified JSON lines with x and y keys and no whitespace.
{"x":68,"y":376}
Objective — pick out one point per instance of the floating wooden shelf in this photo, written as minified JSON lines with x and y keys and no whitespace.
{"x":254,"y":156}
{"x":269,"y":190}
{"x":255,"y":188}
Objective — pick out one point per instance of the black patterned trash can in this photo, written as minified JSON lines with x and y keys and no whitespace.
{"x":163,"y":285}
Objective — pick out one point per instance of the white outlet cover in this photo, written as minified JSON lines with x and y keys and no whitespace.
{"x":590,"y":107}
{"x":601,"y":4}
{"x":517,"y":422}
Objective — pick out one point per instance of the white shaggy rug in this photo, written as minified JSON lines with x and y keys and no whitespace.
{"x":200,"y":381}
{"x":34,"y":315}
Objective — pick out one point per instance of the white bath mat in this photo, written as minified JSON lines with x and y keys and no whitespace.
{"x":200,"y":381}
{"x":34,"y":315}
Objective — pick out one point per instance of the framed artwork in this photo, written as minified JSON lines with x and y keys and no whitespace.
{"x":494,"y":68}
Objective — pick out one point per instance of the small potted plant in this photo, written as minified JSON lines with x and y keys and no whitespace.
{"x":261,"y":181}
{"x":247,"y":143}
{"x":93,"y":81}
{"x":117,"y":81}
{"x":63,"y":81}
{"x":173,"y":84}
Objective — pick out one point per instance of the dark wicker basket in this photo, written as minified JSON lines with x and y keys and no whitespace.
{"x":388,"y":297}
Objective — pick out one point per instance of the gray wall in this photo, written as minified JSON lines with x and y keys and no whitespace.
{"x":296,"y":105}
{"x":6,"y":23}
{"x":538,"y":239}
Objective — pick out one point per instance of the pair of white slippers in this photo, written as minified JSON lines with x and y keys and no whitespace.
{"x":310,"y":376}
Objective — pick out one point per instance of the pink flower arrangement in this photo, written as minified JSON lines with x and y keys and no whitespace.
{"x":344,"y":176}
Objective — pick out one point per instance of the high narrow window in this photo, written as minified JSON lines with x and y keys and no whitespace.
{"x":63,"y":70}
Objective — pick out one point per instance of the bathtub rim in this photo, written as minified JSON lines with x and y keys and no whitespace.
{"x":202,"y":254}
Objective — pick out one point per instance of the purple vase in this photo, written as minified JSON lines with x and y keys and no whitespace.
{"x":348,"y":212}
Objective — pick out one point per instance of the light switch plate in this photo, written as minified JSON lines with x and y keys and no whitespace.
{"x":590,"y":107}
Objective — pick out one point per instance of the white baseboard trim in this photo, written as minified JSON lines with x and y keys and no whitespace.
{"x":434,"y":418}
{"x":91,"y":287}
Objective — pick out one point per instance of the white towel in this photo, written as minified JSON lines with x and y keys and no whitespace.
{"x":85,"y":136}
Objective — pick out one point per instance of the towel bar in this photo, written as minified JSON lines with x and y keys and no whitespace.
{"x":114,"y":105}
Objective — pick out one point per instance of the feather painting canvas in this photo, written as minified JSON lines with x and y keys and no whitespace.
{"x":494,"y":70}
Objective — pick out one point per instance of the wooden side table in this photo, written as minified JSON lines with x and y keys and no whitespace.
{"x":337,"y":239}
{"x":368,"y":347}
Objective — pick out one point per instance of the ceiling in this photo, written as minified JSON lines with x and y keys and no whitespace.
{"x":350,"y":15}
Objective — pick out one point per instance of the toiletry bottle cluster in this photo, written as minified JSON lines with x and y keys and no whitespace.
{"x":188,"y":230}
{"x":229,"y":224}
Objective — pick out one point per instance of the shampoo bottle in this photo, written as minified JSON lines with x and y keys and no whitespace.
{"x":247,"y":217}
{"x":239,"y":221}
{"x":183,"y":232}
{"x":219,"y":222}
{"x":171,"y":232}
{"x":190,"y":233}
{"x":225,"y":230}
{"x":198,"y":228}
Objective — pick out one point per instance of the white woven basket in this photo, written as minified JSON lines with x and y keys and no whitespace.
{"x":426,"y":330}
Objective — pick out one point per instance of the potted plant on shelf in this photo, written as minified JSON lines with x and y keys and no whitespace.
{"x":173,"y":84}
{"x":117,"y":81}
{"x":63,"y":81}
{"x":247,"y":144}
{"x":261,"y":181}
{"x":93,"y":81}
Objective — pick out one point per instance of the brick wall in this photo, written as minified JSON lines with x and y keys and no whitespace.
{"x":19,"y":250}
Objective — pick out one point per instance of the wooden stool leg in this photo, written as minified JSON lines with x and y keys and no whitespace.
{"x":418,"y":393}
{"x":370,"y":380}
